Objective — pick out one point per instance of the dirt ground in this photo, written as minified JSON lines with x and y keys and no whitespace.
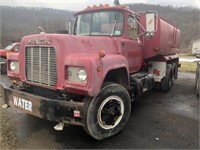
{"x":8,"y":137}
{"x":158,"y":121}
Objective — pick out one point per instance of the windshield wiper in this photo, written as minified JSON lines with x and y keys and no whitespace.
{"x":113,"y":29}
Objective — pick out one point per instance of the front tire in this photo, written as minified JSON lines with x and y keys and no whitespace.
{"x":108,"y":113}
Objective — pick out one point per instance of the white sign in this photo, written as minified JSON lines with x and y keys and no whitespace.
{"x":22,"y":103}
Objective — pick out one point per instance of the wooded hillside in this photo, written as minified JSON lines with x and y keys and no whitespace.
{"x":19,"y":21}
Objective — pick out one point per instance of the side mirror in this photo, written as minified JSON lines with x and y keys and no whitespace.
{"x":149,"y":35}
{"x":16,"y":50}
{"x":150,"y":25}
{"x":150,"y":22}
{"x":70,"y":25}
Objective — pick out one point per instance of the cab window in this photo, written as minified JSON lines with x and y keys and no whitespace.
{"x":99,"y":24}
{"x":132,"y":28}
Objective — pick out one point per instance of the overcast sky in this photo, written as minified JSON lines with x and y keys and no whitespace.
{"x":81,"y":4}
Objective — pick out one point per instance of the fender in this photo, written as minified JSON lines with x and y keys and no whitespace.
{"x":112,"y":62}
{"x":97,"y":70}
{"x":94,"y":69}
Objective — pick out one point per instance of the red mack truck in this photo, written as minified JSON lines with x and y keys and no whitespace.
{"x":90,"y":76}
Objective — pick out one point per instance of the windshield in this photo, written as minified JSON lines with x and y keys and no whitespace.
{"x":9,"y":47}
{"x":99,"y":23}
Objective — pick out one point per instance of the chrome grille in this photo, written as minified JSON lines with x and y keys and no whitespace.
{"x":41,"y":65}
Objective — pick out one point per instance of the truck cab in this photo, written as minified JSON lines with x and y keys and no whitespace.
{"x":118,"y":24}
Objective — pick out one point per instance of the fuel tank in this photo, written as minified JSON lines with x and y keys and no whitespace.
{"x":165,"y":41}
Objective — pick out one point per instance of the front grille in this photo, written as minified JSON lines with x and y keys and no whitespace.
{"x":41,"y":65}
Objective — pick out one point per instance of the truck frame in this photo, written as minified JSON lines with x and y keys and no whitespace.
{"x":90,"y":77}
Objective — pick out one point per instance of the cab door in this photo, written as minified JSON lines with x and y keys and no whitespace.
{"x":132,"y":45}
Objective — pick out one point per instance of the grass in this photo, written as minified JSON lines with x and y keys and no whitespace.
{"x":188,"y":67}
{"x":186,"y":55}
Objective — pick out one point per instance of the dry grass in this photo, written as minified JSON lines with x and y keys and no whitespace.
{"x":188,"y":67}
{"x":187,"y":55}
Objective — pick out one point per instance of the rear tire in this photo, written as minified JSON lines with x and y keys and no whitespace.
{"x":108,"y":113}
{"x":197,"y":90}
{"x":167,"y":81}
{"x":174,"y":72}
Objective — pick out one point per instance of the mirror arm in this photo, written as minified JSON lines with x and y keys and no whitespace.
{"x":139,"y":23}
{"x":141,"y":34}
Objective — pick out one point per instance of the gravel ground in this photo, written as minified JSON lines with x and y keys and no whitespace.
{"x":8,"y":137}
{"x":158,"y":121}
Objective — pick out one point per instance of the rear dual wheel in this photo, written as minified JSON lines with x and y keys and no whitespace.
{"x":197,"y":80}
{"x":108,"y":113}
{"x":168,"y":80}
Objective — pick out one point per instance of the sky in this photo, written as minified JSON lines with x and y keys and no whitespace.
{"x":76,"y":5}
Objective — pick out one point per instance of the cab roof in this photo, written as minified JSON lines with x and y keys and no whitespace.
{"x":105,"y":7}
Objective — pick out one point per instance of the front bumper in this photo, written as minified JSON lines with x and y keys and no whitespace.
{"x":49,"y":109}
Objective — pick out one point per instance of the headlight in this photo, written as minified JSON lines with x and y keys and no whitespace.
{"x":12,"y":66}
{"x":76,"y":74}
{"x":82,"y":75}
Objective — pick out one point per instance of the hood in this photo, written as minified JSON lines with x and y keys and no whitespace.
{"x":73,"y":43}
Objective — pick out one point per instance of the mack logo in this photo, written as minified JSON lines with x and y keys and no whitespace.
{"x":39,"y":42}
{"x":22,"y":103}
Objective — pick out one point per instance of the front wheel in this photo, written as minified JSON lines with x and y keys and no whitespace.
{"x":108,"y":113}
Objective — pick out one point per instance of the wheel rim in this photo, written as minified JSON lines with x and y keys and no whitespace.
{"x":110,"y":112}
